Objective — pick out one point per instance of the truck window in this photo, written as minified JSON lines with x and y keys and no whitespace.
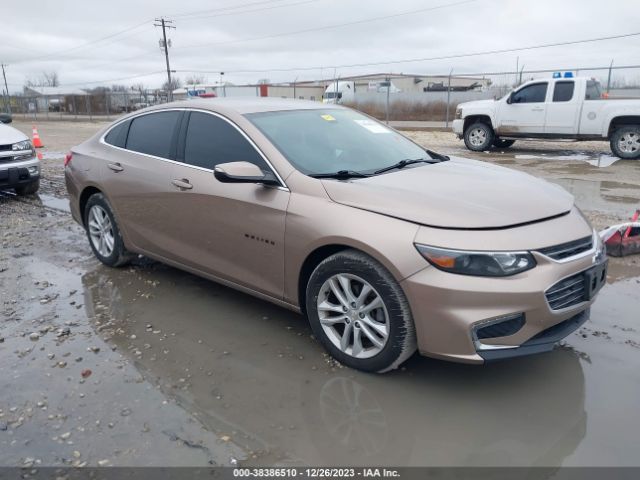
{"x":535,"y":93}
{"x":593,"y":90}
{"x":563,"y":91}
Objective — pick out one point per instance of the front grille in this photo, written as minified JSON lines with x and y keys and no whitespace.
{"x":501,"y":329}
{"x":569,"y":249}
{"x":6,"y":148}
{"x":567,"y":292}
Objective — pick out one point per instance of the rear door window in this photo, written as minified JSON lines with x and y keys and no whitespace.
{"x":117,"y":136}
{"x":210,"y":140}
{"x":153,"y":133}
{"x":563,"y":91}
{"x":593,"y":90}
{"x":535,"y":93}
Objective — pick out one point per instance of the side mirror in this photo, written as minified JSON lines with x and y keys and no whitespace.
{"x":243,"y":172}
{"x":510,"y":98}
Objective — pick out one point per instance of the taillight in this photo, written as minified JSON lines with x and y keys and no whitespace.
{"x":67,"y":158}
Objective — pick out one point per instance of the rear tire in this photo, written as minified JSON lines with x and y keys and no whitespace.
{"x":103,"y":232}
{"x":625,"y":142}
{"x":500,"y":143}
{"x":28,"y":189}
{"x":479,"y":137}
{"x":367,"y":325}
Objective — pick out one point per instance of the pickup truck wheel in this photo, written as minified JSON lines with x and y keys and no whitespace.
{"x":499,"y":143}
{"x":479,"y":137}
{"x":28,"y":189}
{"x":625,"y":142}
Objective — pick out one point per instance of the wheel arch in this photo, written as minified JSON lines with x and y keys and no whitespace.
{"x":87,"y":192}
{"x":473,"y":118}
{"x":320,"y":253}
{"x":622,"y":121}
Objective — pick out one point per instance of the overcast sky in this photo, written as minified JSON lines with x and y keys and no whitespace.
{"x":229,"y":35}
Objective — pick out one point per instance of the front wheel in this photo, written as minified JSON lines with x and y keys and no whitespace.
{"x":359,"y":312}
{"x":625,"y":142}
{"x":500,"y":143}
{"x":478,"y":137}
{"x":103,"y":232}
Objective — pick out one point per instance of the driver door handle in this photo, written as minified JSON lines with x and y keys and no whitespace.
{"x":116,"y":167}
{"x":182,"y":184}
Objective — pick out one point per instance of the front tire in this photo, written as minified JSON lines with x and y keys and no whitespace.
{"x":479,"y":137}
{"x":103,"y":232}
{"x":28,"y":189}
{"x":359,"y":312}
{"x":625,"y":142}
{"x":500,"y":143}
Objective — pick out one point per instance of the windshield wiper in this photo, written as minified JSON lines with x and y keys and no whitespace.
{"x":340,"y":175}
{"x":435,"y":158}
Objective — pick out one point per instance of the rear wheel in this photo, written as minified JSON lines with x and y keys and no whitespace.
{"x":28,"y":189}
{"x":478,"y":137}
{"x":625,"y":142}
{"x":103,"y":232}
{"x":359,"y":312}
{"x":500,"y":143}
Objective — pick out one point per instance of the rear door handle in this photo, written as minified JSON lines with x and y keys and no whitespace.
{"x":116,"y":167}
{"x":182,"y":184}
{"x":537,"y":109}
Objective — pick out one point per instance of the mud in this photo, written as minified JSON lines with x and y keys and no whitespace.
{"x":184,"y":371}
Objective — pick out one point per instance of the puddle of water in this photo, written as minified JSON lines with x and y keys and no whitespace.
{"x":612,"y":197}
{"x":597,"y":160}
{"x":253,"y":370}
{"x":54,"y":202}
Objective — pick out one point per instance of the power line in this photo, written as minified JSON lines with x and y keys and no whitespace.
{"x":222,"y":9}
{"x":273,"y":7}
{"x":425,"y":59}
{"x":329,"y":27}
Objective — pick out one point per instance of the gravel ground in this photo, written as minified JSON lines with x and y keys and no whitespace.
{"x":148,"y":365}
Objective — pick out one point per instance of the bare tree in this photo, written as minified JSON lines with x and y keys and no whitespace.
{"x":47,"y":79}
{"x":195,"y":80}
{"x":175,"y":83}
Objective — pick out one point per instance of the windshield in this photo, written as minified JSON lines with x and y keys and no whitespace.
{"x":331,"y":140}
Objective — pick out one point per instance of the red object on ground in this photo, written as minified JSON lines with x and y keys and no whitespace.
{"x":86,"y":373}
{"x":633,"y":219}
{"x":37,"y":143}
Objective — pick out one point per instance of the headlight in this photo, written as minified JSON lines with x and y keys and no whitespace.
{"x":458,"y":113}
{"x":21,"y":146}
{"x":482,"y":264}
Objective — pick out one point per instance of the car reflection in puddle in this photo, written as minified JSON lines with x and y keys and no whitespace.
{"x":251,"y":371}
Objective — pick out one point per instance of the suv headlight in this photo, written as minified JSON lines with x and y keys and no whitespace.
{"x":22,"y":146}
{"x":458,"y":113}
{"x":481,"y":264}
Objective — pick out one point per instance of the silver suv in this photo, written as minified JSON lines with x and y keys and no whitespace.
{"x":19,"y":167}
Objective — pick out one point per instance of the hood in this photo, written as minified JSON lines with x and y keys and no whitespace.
{"x":477,"y":104}
{"x":458,"y":194}
{"x":9,"y":135}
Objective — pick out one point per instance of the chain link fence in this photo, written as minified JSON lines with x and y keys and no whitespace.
{"x":417,"y":98}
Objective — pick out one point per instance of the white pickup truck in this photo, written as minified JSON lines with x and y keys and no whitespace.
{"x":555,"y":108}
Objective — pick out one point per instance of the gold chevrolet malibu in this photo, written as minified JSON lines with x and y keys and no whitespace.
{"x":385,"y":246}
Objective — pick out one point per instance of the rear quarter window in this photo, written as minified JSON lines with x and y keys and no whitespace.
{"x":117,"y":136}
{"x":153,"y":133}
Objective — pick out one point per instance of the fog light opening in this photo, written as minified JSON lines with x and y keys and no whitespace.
{"x":495,"y":328}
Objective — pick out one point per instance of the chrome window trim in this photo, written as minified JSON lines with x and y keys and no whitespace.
{"x":283,"y":186}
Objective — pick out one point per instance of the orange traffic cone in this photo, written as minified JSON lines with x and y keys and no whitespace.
{"x":37,"y":143}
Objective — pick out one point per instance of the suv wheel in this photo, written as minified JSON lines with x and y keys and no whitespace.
{"x":478,"y":137}
{"x":28,"y":189}
{"x":103,"y":232}
{"x":359,"y":312}
{"x":625,"y":142}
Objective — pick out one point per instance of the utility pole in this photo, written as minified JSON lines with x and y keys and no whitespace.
{"x":165,"y":45}
{"x":8,"y":100}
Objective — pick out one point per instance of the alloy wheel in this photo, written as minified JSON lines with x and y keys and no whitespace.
{"x":477,"y":137}
{"x":629,"y":142}
{"x":101,"y":231}
{"x":353,"y":315}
